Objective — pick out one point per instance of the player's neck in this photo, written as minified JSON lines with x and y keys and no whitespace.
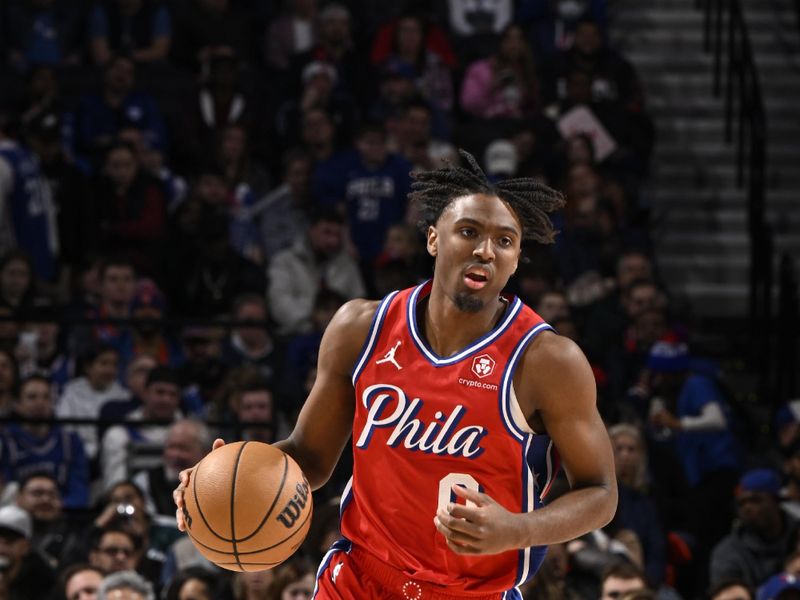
{"x":449,"y":330}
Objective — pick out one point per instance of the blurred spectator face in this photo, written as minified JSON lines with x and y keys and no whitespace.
{"x":83,"y":585}
{"x":792,"y":565}
{"x":46,"y":335}
{"x":326,"y":238}
{"x":632,"y":267}
{"x":649,"y":327}
{"x":579,"y":151}
{"x":566,"y":327}
{"x":257,"y":582}
{"x":322,"y":83}
{"x":302,"y":588}
{"x":409,"y":36}
{"x":234,"y":144}
{"x":401,"y":242}
{"x":615,"y":588}
{"x":6,"y":373}
{"x":395,"y":89}
{"x":211,"y":189}
{"x":43,"y":82}
{"x":552,"y":306}
{"x":15,"y":279}
{"x":9,"y":330}
{"x":14,"y":548}
{"x":639,"y":299}
{"x":585,"y":215}
{"x":513,"y":45}
{"x":733,"y":592}
{"x":183,"y":447}
{"x":121,"y":167}
{"x":588,"y":39}
{"x":194,"y":589}
{"x":102,"y":371}
{"x":417,"y":124}
{"x":298,"y":175}
{"x":371,"y":146}
{"x":627,"y":457}
{"x":138,"y":370}
{"x":120,"y":76}
{"x":582,"y":180}
{"x":317,"y":128}
{"x":161,"y":400}
{"x":335,"y":28}
{"x":757,"y":510}
{"x":524,"y":142}
{"x":200,"y":345}
{"x":255,"y":407}
{"x":35,"y":400}
{"x":41,"y":498}
{"x":115,"y":552}
{"x":255,"y":335}
{"x":118,"y":284}
{"x":579,"y":88}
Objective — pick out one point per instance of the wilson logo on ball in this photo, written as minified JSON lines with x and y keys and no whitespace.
{"x":290,"y":513}
{"x":187,"y":517}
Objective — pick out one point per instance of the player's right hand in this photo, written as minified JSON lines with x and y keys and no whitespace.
{"x":184,"y":476}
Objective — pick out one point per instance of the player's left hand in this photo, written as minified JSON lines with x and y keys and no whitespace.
{"x":485,"y":528}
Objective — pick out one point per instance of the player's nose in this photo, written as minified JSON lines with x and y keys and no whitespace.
{"x":484,"y":250}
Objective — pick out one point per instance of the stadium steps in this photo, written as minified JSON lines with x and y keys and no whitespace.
{"x":699,"y":214}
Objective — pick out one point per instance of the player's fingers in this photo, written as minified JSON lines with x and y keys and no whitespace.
{"x":180,"y":520}
{"x":462,"y":548}
{"x":475,"y":496}
{"x":218,"y":443}
{"x":451,"y":534}
{"x":460,"y":511}
{"x":459,"y":524}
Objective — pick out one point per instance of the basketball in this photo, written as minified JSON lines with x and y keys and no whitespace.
{"x":247,"y":507}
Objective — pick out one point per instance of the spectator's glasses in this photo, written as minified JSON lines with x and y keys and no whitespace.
{"x":114,"y":550}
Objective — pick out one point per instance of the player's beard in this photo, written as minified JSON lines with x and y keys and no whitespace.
{"x":468,"y":303}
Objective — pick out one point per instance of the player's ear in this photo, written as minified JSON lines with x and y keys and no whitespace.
{"x":433,"y":239}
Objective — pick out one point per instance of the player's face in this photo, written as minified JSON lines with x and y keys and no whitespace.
{"x":476,"y":242}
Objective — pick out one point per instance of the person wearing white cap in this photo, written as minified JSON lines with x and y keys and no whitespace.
{"x":25,"y":574}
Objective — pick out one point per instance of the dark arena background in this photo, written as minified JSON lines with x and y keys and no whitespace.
{"x":190,"y":189}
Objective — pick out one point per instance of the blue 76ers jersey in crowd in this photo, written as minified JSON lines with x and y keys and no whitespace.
{"x":424,"y":423}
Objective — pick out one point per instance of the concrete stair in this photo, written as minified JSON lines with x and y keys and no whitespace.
{"x":699,"y":214}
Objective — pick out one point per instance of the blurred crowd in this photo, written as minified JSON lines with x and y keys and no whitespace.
{"x":190,"y":189}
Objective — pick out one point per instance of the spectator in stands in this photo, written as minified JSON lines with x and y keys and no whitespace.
{"x":203,"y":26}
{"x":252,"y":585}
{"x":239,"y":166}
{"x":138,"y":28}
{"x":55,"y":537}
{"x":318,"y":134}
{"x":81,"y":582}
{"x":621,"y":578}
{"x":403,"y":261}
{"x":315,"y":261}
{"x":193,"y":583}
{"x":9,"y":377}
{"x":783,"y":586}
{"x":188,"y":441}
{"x":148,"y":336}
{"x":335,"y":46}
{"x":26,"y":574}
{"x":506,"y":84}
{"x":255,"y":414}
{"x":282,"y":214}
{"x":99,"y":118}
{"x":371,"y":185}
{"x":42,"y":447}
{"x":42,"y":32}
{"x":476,"y":27}
{"x":26,"y":201}
{"x":117,"y":285}
{"x":552,"y":305}
{"x":135,"y":381}
{"x":763,"y":537}
{"x":121,"y":443}
{"x":126,"y":584}
{"x":636,"y":511}
{"x":85,"y":396}
{"x":17,"y":286}
{"x":131,"y":210}
{"x":552,"y":24}
{"x":113,"y":549}
{"x":289,"y":34}
{"x":293,"y":578}
{"x":72,"y":190}
{"x":252,"y":344}
{"x":731,"y":589}
{"x":413,"y":137}
{"x":203,"y":369}
{"x":429,"y":58}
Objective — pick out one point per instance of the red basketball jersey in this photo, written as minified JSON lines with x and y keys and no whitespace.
{"x":423,"y":423}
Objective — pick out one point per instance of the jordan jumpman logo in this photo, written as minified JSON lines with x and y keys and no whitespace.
{"x":389,"y":356}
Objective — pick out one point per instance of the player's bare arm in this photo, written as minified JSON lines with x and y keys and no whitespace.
{"x":326,"y":420}
{"x":556,"y":390}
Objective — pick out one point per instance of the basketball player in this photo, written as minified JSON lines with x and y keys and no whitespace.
{"x":457,"y":397}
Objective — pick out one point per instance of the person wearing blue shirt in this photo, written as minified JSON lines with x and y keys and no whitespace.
{"x":140,"y":28}
{"x":372,"y":183}
{"x":39,"y":447}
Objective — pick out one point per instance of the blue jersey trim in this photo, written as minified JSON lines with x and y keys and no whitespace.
{"x":476,"y":346}
{"x":372,"y":336}
{"x":341,"y":545}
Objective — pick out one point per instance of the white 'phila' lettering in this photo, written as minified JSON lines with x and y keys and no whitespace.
{"x":388,"y":407}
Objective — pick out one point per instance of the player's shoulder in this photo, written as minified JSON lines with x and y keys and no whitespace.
{"x":354,"y":318}
{"x":554,"y":354}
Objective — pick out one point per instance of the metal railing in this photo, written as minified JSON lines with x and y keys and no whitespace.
{"x":735,"y":75}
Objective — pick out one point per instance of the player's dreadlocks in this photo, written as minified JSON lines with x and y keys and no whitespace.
{"x":434,"y":190}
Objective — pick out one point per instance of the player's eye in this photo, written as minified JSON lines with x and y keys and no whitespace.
{"x":467,"y":231}
{"x":506,"y":242}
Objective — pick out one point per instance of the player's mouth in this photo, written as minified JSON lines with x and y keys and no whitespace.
{"x":476,"y":278}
